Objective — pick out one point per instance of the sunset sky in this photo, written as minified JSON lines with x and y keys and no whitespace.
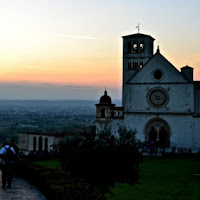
{"x":79,"y":42}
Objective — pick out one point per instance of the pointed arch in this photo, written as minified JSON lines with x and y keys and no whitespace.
{"x":157,"y":129}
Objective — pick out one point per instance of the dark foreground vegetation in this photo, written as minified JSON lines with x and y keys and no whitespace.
{"x":56,"y":184}
{"x":90,"y":165}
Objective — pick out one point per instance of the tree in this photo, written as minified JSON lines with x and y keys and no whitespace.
{"x":103,"y":159}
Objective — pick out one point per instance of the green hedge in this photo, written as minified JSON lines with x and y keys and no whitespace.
{"x":56,"y":184}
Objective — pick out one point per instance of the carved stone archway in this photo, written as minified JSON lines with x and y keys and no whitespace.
{"x":157,"y":130}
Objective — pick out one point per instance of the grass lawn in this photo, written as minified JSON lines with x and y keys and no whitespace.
{"x":163,"y":179}
{"x":54,"y":163}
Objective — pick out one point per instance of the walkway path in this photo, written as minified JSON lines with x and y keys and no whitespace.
{"x":21,"y":190}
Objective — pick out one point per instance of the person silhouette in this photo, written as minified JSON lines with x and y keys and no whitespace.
{"x":7,"y":155}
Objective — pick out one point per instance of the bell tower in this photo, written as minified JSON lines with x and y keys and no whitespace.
{"x":137,"y":50}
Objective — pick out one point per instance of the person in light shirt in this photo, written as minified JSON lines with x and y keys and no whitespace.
{"x":7,"y":155}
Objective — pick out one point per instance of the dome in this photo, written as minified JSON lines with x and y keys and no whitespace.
{"x":105,"y":99}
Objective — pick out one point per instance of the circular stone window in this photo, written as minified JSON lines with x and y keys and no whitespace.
{"x":157,"y":97}
{"x":157,"y":74}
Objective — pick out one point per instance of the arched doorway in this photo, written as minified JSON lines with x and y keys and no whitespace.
{"x":157,"y":130}
{"x":152,"y":134}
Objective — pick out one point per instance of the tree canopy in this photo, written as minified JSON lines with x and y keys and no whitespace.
{"x":102,"y":159}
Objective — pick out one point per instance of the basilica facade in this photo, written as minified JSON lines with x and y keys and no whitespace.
{"x":159,"y":101}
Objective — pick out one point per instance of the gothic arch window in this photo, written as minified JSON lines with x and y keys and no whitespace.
{"x":157,"y":130}
{"x":135,"y":48}
{"x":129,"y":48}
{"x":141,"y":47}
{"x":34,"y":144}
{"x":40,"y":143}
{"x":46,"y":144}
{"x":163,"y":138}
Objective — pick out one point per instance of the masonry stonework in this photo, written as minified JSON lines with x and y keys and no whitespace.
{"x":160,"y":102}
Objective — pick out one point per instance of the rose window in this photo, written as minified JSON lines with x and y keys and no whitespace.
{"x":157,"y":97}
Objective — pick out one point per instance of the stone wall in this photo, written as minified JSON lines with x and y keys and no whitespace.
{"x":23,"y":141}
{"x":26,"y":141}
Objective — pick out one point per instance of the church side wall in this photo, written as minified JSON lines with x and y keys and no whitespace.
{"x":197,"y":133}
{"x":197,"y":100}
{"x":181,"y":127}
{"x":181,"y":98}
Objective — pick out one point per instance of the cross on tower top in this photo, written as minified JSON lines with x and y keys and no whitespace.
{"x":138,"y":27}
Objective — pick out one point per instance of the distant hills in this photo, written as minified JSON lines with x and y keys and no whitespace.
{"x":29,"y":91}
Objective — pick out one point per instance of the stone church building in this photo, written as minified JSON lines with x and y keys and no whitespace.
{"x":160,"y":102}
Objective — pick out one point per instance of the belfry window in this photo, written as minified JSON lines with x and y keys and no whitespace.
{"x":135,"y":47}
{"x":129,"y":48}
{"x":141,"y":47}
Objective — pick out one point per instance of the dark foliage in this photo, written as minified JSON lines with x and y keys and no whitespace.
{"x":56,"y":184}
{"x":102,"y":159}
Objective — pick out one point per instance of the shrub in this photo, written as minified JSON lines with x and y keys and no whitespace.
{"x":56,"y":184}
{"x":102,"y":159}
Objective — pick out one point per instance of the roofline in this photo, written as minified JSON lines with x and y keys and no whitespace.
{"x":138,"y":35}
{"x":150,"y":60}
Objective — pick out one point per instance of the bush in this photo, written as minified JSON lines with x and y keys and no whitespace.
{"x":56,"y":184}
{"x":102,"y":159}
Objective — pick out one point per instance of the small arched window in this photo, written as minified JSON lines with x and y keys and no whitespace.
{"x":112,"y":114}
{"x":129,"y":48}
{"x":34,"y":144}
{"x":40,"y":143}
{"x":141,"y":47}
{"x":135,"y":47}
